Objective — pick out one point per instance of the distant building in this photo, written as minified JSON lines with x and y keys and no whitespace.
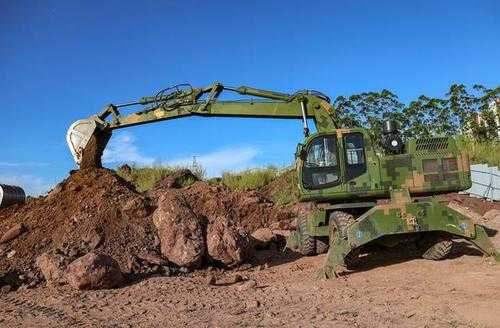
{"x":494,"y":106}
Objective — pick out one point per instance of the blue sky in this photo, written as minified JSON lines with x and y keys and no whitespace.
{"x":64,"y":60}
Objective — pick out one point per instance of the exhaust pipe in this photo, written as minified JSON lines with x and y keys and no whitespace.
{"x":10,"y":195}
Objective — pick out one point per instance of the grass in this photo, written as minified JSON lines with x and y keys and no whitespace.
{"x":481,"y":152}
{"x":250,"y":179}
{"x":279,"y":184}
{"x":283,"y":190}
{"x":145,"y":178}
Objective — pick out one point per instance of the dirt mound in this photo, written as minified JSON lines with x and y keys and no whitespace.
{"x":96,"y":210}
{"x":90,"y":209}
{"x":205,"y":223}
{"x":478,"y":205}
{"x":248,"y":210}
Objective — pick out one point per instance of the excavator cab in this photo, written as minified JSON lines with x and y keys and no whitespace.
{"x":334,"y":165}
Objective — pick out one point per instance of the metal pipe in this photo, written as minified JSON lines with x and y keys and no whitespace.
{"x":304,"y":118}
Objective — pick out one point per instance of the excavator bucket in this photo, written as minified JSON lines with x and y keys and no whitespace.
{"x":78,"y":136}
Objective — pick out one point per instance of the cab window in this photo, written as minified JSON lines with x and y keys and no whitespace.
{"x":321,"y":167}
{"x":354,"y":146}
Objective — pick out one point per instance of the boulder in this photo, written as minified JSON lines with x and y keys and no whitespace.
{"x":225,"y":244}
{"x":12,"y":233}
{"x":180,"y":231}
{"x":263,"y":237}
{"x":52,"y":268}
{"x":94,"y":271}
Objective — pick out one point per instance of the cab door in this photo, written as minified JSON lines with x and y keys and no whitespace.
{"x":321,"y":168}
{"x":356,"y":176}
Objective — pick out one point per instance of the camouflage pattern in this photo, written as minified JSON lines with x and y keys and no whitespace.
{"x":402,"y":217}
{"x":429,"y":166}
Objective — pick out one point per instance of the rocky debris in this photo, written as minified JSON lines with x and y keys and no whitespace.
{"x":263,"y":237}
{"x":137,"y":268}
{"x":247,"y":285}
{"x":137,"y":207}
{"x":173,"y":229}
{"x":225,"y":244}
{"x":93,"y":239}
{"x":212,"y":280}
{"x":477,"y":205}
{"x":12,"y":233}
{"x":252,"y":304}
{"x":150,"y":257}
{"x":493,"y":214}
{"x":180,"y":231}
{"x":94,"y":271}
{"x":52,"y":268}
{"x":248,"y":210}
{"x":237,"y":278}
{"x":90,"y":210}
{"x":14,"y":280}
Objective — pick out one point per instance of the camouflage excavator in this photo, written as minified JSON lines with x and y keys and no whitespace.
{"x":370,"y":195}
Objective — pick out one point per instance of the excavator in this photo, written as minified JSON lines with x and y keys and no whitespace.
{"x":370,"y":194}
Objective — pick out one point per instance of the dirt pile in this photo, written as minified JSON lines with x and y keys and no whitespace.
{"x":90,"y":209}
{"x":249,"y":210}
{"x":206,"y":223}
{"x":96,"y":210}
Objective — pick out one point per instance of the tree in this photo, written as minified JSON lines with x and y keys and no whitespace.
{"x":457,"y":113}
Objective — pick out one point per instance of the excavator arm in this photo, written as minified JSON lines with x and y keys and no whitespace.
{"x":87,"y":138}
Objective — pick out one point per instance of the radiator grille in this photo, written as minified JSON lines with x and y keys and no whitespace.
{"x":431,"y":144}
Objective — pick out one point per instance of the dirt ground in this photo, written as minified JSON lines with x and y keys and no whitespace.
{"x":396,"y":292}
{"x":96,"y":210}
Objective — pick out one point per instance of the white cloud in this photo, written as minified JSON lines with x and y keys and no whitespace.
{"x":32,"y":185}
{"x":232,"y":159}
{"x":122,"y":149}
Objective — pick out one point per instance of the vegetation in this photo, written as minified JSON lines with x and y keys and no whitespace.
{"x":487,"y":152}
{"x":250,"y":179}
{"x":144,"y":178}
{"x":283,"y":190}
{"x":466,"y":112}
{"x":279,"y":184}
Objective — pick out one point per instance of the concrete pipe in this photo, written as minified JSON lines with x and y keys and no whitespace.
{"x":10,"y":195}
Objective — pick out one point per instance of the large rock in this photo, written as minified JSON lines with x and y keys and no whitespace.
{"x":52,"y":268}
{"x":12,"y":233}
{"x":263,"y":237}
{"x":225,"y":244}
{"x":94,"y":271}
{"x":180,"y":231}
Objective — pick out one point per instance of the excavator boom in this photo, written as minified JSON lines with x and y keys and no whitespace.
{"x":183,"y":100}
